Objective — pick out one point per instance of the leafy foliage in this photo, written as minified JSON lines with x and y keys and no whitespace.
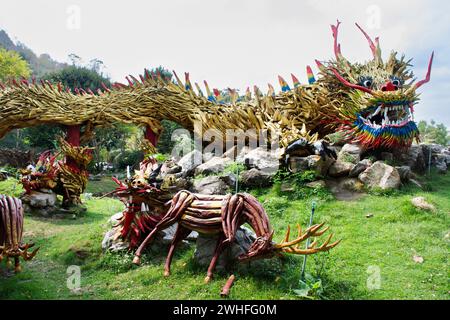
{"x":434,"y":133}
{"x":12,"y":65}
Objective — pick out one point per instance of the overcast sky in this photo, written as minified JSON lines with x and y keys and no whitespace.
{"x":236,"y":43}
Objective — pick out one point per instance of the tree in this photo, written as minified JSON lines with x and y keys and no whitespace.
{"x":78,"y":77}
{"x":434,"y":133}
{"x":12,"y":65}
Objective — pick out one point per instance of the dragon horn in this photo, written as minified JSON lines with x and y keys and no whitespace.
{"x":428,"y":76}
{"x":374,"y":48}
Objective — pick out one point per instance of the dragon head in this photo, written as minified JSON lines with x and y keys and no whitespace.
{"x":379,"y":96}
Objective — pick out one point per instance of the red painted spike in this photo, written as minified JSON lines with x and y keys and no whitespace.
{"x":105,"y":87}
{"x":147,"y":74}
{"x":59,"y":87}
{"x":49,"y":84}
{"x":142,"y":78}
{"x":90,"y":91}
{"x":15,"y":83}
{"x":77,"y":91}
{"x":33,"y":80}
{"x":68,"y":90}
{"x":42,"y":83}
{"x":82,"y":91}
{"x":25,"y":81}
{"x":2,"y":85}
{"x":100,"y":92}
{"x":129,"y":81}
{"x":134,"y":79}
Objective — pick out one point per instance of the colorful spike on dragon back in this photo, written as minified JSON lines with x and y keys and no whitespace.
{"x":372,"y":103}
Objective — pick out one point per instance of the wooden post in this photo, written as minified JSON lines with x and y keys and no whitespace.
{"x":151,"y":136}
{"x":73,"y":134}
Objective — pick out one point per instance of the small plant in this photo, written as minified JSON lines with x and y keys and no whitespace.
{"x":234,"y":167}
{"x":310,"y":288}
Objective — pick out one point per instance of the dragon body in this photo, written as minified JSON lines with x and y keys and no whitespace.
{"x":372,"y":103}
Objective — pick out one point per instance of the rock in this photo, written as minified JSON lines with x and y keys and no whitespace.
{"x":316,"y":184}
{"x":115,"y":218}
{"x":381,"y":175}
{"x":190,"y":161}
{"x":37,"y":199}
{"x":213,"y":166}
{"x":211,"y":186}
{"x":359,"y":168}
{"x":170,"y":167}
{"x":441,"y":167}
{"x":405,"y":173}
{"x":422,"y":204}
{"x":263,"y":159}
{"x":314,"y":163}
{"x":206,"y":245}
{"x":3,"y":176}
{"x":287,"y":187}
{"x":345,"y":189}
{"x":350,"y":153}
{"x":255,"y":178}
{"x":230,"y":179}
{"x":340,"y":169}
{"x":413,"y":158}
{"x":387,"y":156}
{"x":113,"y":243}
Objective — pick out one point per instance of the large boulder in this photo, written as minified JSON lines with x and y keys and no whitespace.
{"x":413,"y":158}
{"x":206,"y":246}
{"x":211,"y":185}
{"x":359,"y":168}
{"x":350,"y":153}
{"x":40,"y":199}
{"x":255,"y":178}
{"x":340,"y":169}
{"x":263,"y":159}
{"x":190,"y":161}
{"x":315,"y":163}
{"x":381,"y":175}
{"x":214,"y":166}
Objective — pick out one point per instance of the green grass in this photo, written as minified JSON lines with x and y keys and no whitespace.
{"x":105,"y":185}
{"x":388,"y":241}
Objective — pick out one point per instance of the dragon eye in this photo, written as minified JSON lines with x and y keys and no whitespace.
{"x":396,"y":82}
{"x":368,"y":83}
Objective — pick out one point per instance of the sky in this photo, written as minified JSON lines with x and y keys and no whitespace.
{"x":237,"y":43}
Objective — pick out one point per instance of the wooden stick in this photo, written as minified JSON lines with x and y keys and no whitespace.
{"x":226,"y":288}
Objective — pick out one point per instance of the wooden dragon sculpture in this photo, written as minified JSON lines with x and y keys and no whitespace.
{"x":11,"y":229}
{"x":371,"y":103}
{"x":215,"y":214}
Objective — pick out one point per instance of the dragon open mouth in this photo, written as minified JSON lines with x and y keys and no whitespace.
{"x":393,"y":114}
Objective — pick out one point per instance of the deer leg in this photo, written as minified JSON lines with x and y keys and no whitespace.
{"x":17,"y":267}
{"x":221,"y":244}
{"x":170,"y":218}
{"x":180,"y":234}
{"x":137,"y":255}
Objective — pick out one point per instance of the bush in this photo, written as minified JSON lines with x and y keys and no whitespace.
{"x":126,"y":158}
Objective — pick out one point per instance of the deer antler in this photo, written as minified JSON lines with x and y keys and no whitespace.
{"x":313,"y":231}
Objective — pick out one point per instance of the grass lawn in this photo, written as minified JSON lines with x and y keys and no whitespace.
{"x":384,"y":244}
